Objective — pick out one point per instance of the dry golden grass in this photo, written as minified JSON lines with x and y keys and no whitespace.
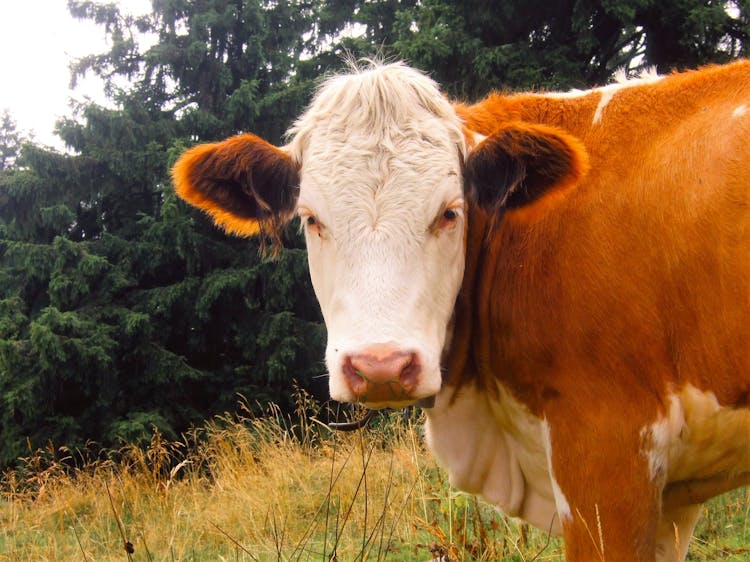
{"x":267,"y":488}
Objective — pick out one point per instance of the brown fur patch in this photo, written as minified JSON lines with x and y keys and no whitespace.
{"x":245,"y":184}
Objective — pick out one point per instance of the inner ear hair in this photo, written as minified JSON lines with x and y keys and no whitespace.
{"x":520,"y":163}
{"x":247,"y":185}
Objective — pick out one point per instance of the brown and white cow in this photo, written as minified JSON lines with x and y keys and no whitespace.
{"x":567,"y":274}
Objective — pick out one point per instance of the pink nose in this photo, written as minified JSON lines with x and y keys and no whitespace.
{"x":382,"y":373}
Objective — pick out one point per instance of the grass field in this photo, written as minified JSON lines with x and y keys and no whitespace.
{"x":274,"y":488}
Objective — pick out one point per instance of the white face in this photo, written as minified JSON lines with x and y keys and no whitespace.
{"x":386,"y":253}
{"x":382,"y":207}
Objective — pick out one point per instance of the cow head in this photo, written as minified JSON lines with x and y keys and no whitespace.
{"x":375,"y":170}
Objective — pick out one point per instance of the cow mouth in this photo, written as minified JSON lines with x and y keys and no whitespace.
{"x":364,"y":420}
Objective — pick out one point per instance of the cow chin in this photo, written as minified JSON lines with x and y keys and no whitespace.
{"x":383,"y":375}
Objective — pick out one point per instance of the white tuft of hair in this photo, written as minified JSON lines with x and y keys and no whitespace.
{"x":647,"y":75}
{"x":374,"y":97}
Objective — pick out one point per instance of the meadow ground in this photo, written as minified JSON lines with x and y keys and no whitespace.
{"x":246,"y":488}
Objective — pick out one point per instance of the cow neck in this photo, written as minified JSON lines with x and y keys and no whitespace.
{"x":460,"y":361}
{"x":574,"y":114}
{"x":479,"y":355}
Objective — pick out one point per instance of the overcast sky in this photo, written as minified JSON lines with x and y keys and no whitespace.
{"x":38,"y":40}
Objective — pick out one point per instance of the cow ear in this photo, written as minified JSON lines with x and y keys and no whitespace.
{"x":521,"y":163}
{"x":244,"y":183}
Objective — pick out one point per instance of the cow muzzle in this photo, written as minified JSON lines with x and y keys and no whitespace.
{"x":382,"y":374}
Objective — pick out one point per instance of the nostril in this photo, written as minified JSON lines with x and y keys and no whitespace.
{"x":355,"y":379}
{"x":410,"y":373}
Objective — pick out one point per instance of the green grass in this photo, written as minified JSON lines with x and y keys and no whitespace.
{"x":723,"y":533}
{"x":245,"y":488}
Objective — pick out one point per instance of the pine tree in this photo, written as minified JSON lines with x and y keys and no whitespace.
{"x":123,"y":308}
{"x":476,"y":46}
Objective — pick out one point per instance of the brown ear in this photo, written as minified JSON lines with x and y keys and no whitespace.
{"x":244,"y":183}
{"x":521,"y":162}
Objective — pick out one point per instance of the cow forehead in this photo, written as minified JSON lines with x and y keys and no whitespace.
{"x":379,"y":180}
{"x":386,"y":133}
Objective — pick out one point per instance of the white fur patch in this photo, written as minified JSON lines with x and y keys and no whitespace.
{"x":607,"y":93}
{"x":659,"y":437}
{"x":571,"y":94}
{"x":494,"y":448}
{"x":739,"y":111}
{"x":563,"y":507}
{"x":697,"y":439}
{"x":649,"y":76}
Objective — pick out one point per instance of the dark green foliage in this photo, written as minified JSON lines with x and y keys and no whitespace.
{"x":477,"y":45}
{"x":121,"y":308}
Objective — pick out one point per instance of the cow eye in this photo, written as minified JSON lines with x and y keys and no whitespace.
{"x":446,"y":220}
{"x":310,"y":222}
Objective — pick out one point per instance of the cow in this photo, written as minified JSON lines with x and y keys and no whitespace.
{"x":561,"y":279}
